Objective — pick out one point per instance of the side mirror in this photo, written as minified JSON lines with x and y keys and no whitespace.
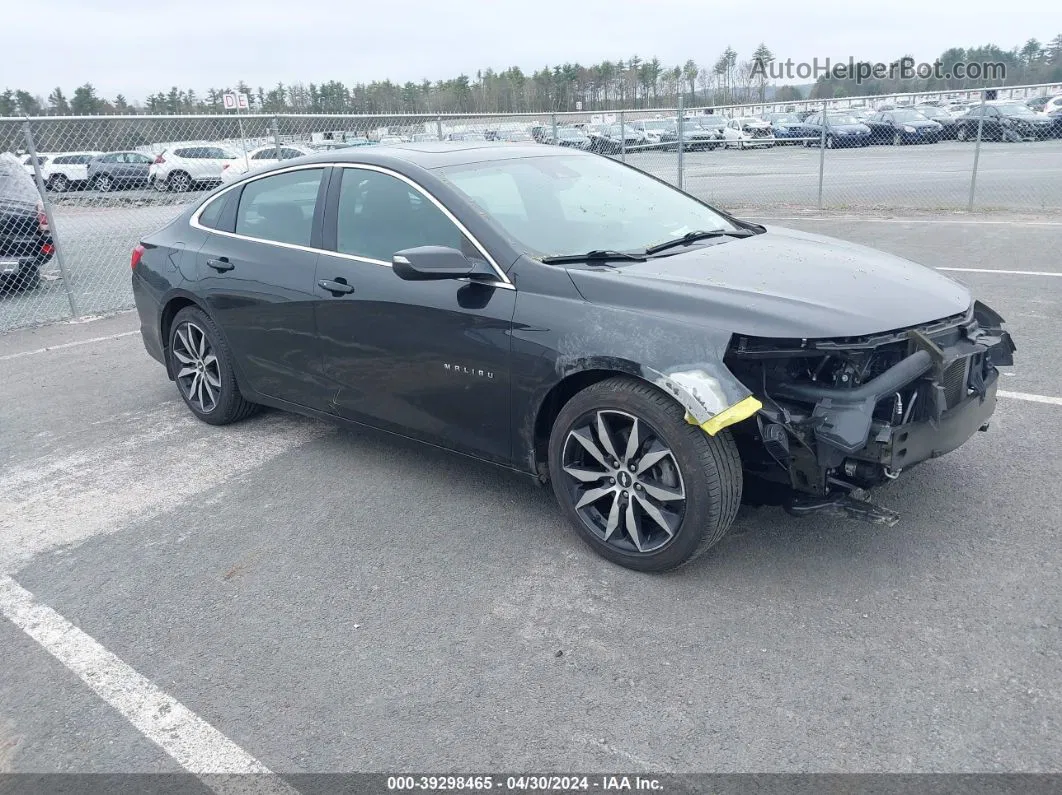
{"x":431,"y":262}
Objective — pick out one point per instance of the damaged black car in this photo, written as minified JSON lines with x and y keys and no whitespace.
{"x":653,"y":358}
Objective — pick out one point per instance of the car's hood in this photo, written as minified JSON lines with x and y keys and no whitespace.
{"x":782,"y":283}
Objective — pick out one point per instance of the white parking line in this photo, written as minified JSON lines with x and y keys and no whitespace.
{"x":1051,"y":401}
{"x":74,"y":344}
{"x":196,"y":745}
{"x":997,"y":270}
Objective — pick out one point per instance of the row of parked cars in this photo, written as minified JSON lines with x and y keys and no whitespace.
{"x":179,"y":168}
{"x":182,"y":167}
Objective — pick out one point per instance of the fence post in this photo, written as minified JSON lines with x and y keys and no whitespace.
{"x":681,"y":139}
{"x":553,"y":119}
{"x":58,"y":254}
{"x":438,"y":126}
{"x":977,"y":154}
{"x":623,"y":138}
{"x":822,"y":150}
{"x":276,"y":135}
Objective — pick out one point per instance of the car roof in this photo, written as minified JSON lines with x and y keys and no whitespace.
{"x":437,"y":154}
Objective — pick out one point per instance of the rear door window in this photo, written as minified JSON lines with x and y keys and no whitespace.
{"x":281,"y":207}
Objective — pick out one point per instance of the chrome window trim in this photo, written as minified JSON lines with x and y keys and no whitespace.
{"x":502,"y":281}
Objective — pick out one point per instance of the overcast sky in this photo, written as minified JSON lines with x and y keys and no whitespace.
{"x":137,"y":48}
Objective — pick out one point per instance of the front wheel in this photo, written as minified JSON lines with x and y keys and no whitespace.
{"x":201,"y":364}
{"x":897,"y":139}
{"x":104,"y":183}
{"x":59,"y":183}
{"x":644,"y":488}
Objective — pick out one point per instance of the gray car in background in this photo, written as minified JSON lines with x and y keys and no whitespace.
{"x":116,"y":170}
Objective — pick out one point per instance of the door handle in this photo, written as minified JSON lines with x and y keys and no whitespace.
{"x":221,"y":264}
{"x":336,"y":287}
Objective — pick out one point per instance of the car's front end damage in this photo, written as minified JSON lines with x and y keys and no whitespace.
{"x":841,"y":416}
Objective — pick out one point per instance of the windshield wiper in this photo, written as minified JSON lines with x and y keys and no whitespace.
{"x":693,"y":237}
{"x":593,"y":256}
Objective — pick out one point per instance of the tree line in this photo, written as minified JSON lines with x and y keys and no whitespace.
{"x":1031,"y":63}
{"x":629,"y":83}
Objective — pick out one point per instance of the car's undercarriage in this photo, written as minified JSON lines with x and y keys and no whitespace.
{"x":841,"y":416}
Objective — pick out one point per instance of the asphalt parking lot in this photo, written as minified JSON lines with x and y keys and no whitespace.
{"x":97,"y":231}
{"x":330,"y":600}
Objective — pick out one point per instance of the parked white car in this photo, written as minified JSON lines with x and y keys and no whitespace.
{"x":748,"y":131}
{"x":1053,"y":104}
{"x":262,"y":157}
{"x":65,"y":171}
{"x":186,"y":166}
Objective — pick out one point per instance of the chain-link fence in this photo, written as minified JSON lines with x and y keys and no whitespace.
{"x":108,"y":181}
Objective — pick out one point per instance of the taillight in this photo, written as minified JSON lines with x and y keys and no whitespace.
{"x":42,"y":218}
{"x":134,"y":260}
{"x":159,"y":160}
{"x":47,"y":249}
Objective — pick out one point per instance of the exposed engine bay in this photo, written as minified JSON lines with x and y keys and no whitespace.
{"x":841,"y":416}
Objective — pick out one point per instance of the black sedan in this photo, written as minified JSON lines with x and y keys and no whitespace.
{"x":25,"y":238}
{"x":1004,"y":121}
{"x":562,"y":314}
{"x":903,"y":126}
{"x":949,"y":124}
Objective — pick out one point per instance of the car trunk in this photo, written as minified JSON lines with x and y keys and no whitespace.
{"x":19,"y":230}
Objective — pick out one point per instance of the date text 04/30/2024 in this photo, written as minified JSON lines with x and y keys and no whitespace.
{"x":524,"y":783}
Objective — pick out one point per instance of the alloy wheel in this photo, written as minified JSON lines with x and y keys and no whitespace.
{"x":103,"y":183}
{"x":624,"y":481}
{"x":181,"y":182}
{"x":60,"y":184}
{"x":199,"y":376}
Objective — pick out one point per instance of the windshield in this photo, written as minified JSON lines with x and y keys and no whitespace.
{"x":570,"y":132}
{"x":931,"y":112}
{"x":842,"y":118}
{"x":908,"y":115}
{"x":1016,"y":110}
{"x":571,"y":204}
{"x":15,"y":184}
{"x":710,"y":121}
{"x":784,"y":118}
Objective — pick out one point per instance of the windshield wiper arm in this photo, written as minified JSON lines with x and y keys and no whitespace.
{"x":594,"y":256}
{"x":693,"y":237}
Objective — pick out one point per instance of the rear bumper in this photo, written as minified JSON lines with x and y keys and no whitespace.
{"x":148,"y":311}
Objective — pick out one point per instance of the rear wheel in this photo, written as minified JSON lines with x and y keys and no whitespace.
{"x":961,"y":134}
{"x":104,"y":183}
{"x":644,"y":488}
{"x":201,"y":363}
{"x":180,"y":182}
{"x":897,"y":139}
{"x":829,"y":142}
{"x":59,"y":183}
{"x":28,"y":278}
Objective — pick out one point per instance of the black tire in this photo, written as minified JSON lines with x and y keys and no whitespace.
{"x":829,"y":142}
{"x":104,"y":183}
{"x":961,"y":134}
{"x":707,"y":468}
{"x":228,"y":405}
{"x":897,"y":139}
{"x":28,"y":279}
{"x":59,"y":183}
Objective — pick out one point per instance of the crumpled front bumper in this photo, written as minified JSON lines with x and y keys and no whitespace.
{"x":928,"y":403}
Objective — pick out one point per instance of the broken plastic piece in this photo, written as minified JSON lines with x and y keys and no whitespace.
{"x":741,"y":410}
